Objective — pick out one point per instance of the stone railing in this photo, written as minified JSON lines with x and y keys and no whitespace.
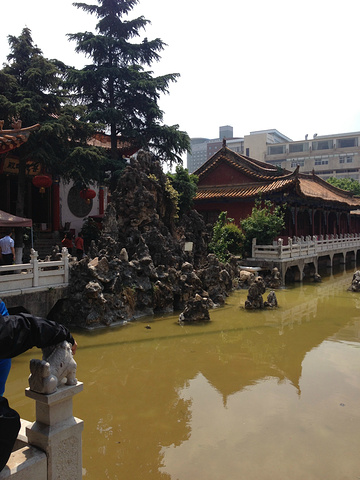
{"x":25,"y":276}
{"x":51,"y":447}
{"x":299,"y":247}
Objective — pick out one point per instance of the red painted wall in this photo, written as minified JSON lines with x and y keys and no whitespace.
{"x":225,"y":174}
{"x":237,"y":211}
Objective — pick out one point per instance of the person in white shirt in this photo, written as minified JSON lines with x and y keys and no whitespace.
{"x":7,"y":249}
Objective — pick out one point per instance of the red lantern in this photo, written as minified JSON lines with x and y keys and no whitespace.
{"x":87,"y":194}
{"x":42,"y":182}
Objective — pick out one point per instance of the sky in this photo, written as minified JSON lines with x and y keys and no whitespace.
{"x":254,"y":64}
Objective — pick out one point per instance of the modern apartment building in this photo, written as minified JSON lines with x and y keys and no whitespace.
{"x":327,"y":156}
{"x":253,"y":145}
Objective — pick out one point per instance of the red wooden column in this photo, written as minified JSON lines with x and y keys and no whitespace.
{"x":56,"y":206}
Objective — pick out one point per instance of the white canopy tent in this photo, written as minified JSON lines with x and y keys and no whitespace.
{"x":10,"y":221}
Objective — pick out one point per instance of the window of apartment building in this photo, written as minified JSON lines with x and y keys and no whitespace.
{"x":296,"y":162}
{"x":345,"y":158}
{"x":321,"y":161}
{"x":298,"y":147}
{"x":347,"y":142}
{"x":247,"y":152}
{"x":276,"y":149}
{"x":322,"y":145}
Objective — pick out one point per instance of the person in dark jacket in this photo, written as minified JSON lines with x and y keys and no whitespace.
{"x":19,"y":333}
{"x":5,"y":363}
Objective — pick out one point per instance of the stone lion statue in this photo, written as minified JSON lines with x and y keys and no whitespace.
{"x":57,"y":364}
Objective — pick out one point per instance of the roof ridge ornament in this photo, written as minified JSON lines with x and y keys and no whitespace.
{"x":224,"y":142}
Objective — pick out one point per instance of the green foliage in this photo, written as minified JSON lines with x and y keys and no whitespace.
{"x":265,"y":223}
{"x":117,"y":89}
{"x":349,"y":184}
{"x":33,"y":89}
{"x":227,"y":238}
{"x":174,"y":198}
{"x":186,"y":186}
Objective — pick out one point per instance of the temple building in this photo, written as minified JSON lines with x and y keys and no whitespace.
{"x":52,"y":204}
{"x":231,"y":182}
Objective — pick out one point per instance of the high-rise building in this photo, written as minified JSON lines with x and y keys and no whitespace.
{"x":335,"y":155}
{"x":204,"y":148}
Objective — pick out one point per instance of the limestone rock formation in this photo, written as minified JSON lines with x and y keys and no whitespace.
{"x":274,"y":279}
{"x":196,"y":311}
{"x":140,"y":266}
{"x":355,"y":283}
{"x":271,"y":301}
{"x":254,"y":299}
{"x":246,"y":278}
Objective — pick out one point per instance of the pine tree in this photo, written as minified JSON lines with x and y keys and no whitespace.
{"x":118,"y":92}
{"x":32,"y":88}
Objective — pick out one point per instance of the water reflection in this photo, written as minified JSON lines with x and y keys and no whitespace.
{"x":255,"y":395}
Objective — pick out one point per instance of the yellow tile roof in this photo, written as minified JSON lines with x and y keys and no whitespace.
{"x":242,"y":191}
{"x":267,"y":179}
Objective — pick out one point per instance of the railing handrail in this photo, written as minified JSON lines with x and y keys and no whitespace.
{"x":300,"y":247}
{"x":35,"y":273}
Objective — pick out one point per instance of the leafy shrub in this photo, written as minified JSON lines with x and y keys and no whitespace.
{"x":265,"y":223}
{"x":227,"y":238}
{"x":186,"y":186}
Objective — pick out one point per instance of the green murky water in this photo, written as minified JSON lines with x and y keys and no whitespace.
{"x":270,"y":395}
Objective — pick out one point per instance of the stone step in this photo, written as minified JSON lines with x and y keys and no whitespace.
{"x":44,"y":246}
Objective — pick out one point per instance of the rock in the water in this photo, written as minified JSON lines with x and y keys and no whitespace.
{"x":196,"y":311}
{"x":271,"y":301}
{"x":355,"y":283}
{"x":317,"y":278}
{"x":254,"y":299}
{"x":274,"y":279}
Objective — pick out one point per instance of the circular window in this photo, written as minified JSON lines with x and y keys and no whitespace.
{"x":77,"y":205}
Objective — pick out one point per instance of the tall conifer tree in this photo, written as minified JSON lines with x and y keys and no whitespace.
{"x":32,"y":89}
{"x":117,"y":90}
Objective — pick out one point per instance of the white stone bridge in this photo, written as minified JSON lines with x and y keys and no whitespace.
{"x":37,"y":285}
{"x":301,"y":251}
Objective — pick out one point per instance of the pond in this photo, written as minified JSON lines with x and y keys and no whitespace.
{"x":252,"y":395}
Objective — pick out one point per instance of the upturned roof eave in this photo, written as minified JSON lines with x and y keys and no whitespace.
{"x":348,"y":202}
